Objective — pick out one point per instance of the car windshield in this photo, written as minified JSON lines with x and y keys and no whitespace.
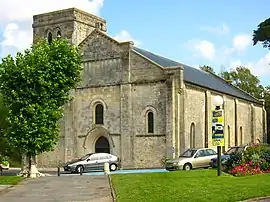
{"x":85,"y":157}
{"x":188,"y":153}
{"x":234,"y":150}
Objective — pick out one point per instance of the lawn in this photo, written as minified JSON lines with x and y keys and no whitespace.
{"x":198,"y":185}
{"x":10,"y":180}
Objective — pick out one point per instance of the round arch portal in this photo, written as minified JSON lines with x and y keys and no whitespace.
{"x":102,"y":145}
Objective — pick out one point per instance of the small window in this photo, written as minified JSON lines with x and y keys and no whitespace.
{"x":58,"y":34}
{"x":50,"y":37}
{"x":99,"y":111}
{"x":150,"y":120}
{"x":192,"y":135}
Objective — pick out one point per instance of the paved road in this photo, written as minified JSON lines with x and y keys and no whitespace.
{"x":64,"y":189}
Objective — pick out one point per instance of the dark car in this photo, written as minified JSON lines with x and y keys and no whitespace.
{"x":227,"y":154}
{"x":93,"y":162}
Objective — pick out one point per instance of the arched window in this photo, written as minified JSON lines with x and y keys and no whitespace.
{"x":241,"y":135}
{"x":229,"y":136}
{"x":99,"y":112}
{"x":58,"y":35}
{"x":150,"y":122}
{"x":192,"y":135}
{"x":50,"y":37}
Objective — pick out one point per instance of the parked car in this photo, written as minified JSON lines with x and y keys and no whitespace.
{"x":227,"y":154}
{"x":192,"y":158}
{"x":93,"y":162}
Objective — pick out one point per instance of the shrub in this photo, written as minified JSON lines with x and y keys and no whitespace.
{"x":255,"y":160}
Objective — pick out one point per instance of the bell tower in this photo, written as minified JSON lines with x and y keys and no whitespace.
{"x":72,"y":23}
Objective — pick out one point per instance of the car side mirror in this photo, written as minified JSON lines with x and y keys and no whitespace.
{"x":196,"y":156}
{"x":88,"y":160}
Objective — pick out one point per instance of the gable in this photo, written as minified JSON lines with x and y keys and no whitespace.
{"x":102,"y":61}
{"x":100,"y":46}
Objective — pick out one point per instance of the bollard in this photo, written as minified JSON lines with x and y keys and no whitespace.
{"x":58,"y":171}
{"x":106,"y":168}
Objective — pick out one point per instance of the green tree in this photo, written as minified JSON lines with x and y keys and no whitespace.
{"x":35,"y":85}
{"x":242,"y":78}
{"x":207,"y":68}
{"x":262,"y":34}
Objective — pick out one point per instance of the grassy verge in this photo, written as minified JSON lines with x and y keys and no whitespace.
{"x":10,"y":180}
{"x":198,"y":185}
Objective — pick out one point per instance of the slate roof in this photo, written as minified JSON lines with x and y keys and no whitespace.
{"x":199,"y":77}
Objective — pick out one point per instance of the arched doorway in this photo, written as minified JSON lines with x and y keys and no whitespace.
{"x":102,"y":145}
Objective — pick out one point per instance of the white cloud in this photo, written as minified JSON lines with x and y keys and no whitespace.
{"x":259,"y":68}
{"x":16,"y":10}
{"x":16,"y":19}
{"x":124,"y":35}
{"x":220,"y":29}
{"x":241,"y":42}
{"x":202,"y":48}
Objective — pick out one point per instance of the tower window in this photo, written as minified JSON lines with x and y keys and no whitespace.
{"x":150,"y":120}
{"x":50,"y":37}
{"x":58,"y":34}
{"x":99,"y":111}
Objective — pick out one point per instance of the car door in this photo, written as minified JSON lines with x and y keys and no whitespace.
{"x":92,"y":162}
{"x":210,"y":154}
{"x":198,"y":158}
{"x":103,"y":158}
{"x":201,"y":159}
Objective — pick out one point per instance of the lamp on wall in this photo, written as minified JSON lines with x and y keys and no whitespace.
{"x":218,"y":128}
{"x":218,"y":101}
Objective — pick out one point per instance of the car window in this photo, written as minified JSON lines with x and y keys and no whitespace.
{"x":188,"y":153}
{"x":103,"y":157}
{"x":201,"y":153}
{"x":94,"y":157}
{"x":210,"y":152}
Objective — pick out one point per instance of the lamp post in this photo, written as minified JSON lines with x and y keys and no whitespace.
{"x":218,"y":128}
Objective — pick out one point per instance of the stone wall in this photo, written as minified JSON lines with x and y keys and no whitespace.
{"x":194,"y":115}
{"x":149,"y":151}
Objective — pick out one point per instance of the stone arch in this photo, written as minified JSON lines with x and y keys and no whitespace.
{"x":145,"y":114}
{"x":93,"y":135}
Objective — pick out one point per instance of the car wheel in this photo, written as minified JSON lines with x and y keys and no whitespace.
{"x":113,"y":167}
{"x":187,"y":166}
{"x":79,"y":169}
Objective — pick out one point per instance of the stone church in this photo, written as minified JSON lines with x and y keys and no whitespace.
{"x":136,"y":104}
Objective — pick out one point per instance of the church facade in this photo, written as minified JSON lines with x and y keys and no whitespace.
{"x":138,"y":105}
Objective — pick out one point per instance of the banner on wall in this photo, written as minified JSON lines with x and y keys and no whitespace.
{"x":218,"y":128}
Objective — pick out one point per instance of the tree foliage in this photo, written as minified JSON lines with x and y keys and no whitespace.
{"x":207,"y":68}
{"x":34,"y":86}
{"x":262,"y":34}
{"x":245,"y":80}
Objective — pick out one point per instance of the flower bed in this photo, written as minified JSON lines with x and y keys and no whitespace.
{"x":255,"y":160}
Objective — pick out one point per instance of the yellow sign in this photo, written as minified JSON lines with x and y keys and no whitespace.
{"x":218,"y":128}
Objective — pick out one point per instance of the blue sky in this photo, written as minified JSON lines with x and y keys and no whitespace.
{"x":215,"y":33}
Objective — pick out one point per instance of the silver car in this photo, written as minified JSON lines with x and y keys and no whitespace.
{"x":93,"y":162}
{"x":192,"y":158}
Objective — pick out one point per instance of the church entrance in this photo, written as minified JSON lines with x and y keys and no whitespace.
{"x":102,"y":145}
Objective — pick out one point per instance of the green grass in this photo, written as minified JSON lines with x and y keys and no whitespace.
{"x":198,"y":185}
{"x":10,"y":180}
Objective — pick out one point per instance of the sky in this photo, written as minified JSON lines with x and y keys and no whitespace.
{"x":195,"y":33}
